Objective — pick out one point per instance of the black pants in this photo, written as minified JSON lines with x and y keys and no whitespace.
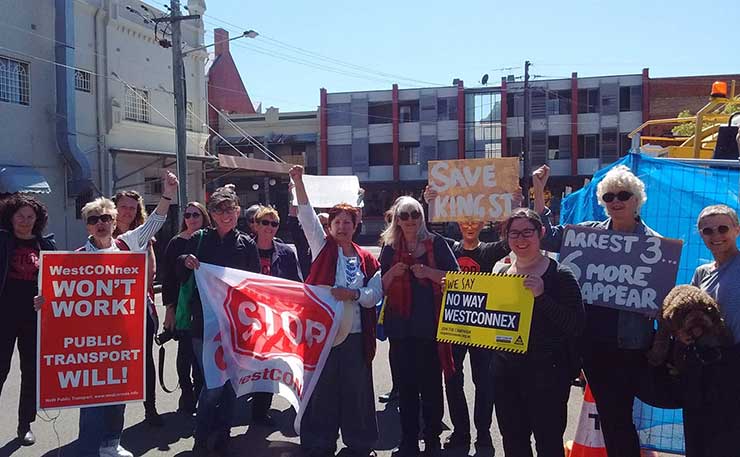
{"x":261,"y":402}
{"x":531,"y":395}
{"x":419,"y":373}
{"x":151,"y":372}
{"x":187,"y":364}
{"x":614,"y":377}
{"x":480,"y":364}
{"x":22,"y":328}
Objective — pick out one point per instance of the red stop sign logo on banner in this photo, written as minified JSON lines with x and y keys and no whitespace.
{"x":267,"y":321}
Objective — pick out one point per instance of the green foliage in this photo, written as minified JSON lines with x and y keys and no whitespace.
{"x":688,"y":128}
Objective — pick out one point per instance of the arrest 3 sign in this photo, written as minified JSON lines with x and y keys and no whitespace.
{"x":486,"y":310}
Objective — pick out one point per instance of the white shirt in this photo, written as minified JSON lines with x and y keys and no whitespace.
{"x":137,"y":239}
{"x":348,"y":273}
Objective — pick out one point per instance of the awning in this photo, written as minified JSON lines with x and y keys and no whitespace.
{"x":22,"y":179}
{"x":163,"y":154}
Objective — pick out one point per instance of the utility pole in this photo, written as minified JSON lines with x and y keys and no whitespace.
{"x":525,"y":140}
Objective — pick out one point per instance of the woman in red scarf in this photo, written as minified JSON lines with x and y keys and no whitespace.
{"x":343,"y":397}
{"x":413,"y":262}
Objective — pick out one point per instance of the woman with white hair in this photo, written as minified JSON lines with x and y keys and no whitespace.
{"x":615,"y":342}
{"x":413,"y":263}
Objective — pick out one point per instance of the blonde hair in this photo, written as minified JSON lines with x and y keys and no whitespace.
{"x":719,"y":210}
{"x":100,"y":205}
{"x":622,"y":178}
{"x":266,"y":211}
{"x":392,"y":233}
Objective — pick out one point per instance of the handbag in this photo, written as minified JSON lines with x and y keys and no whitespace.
{"x":182,"y":316}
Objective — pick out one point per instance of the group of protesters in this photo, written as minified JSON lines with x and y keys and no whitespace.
{"x":530,"y":391}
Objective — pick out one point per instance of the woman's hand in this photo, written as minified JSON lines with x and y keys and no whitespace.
{"x":38,"y":302}
{"x":169,"y":318}
{"x":397,"y":270}
{"x":421,"y":271}
{"x":540,"y":176}
{"x":296,"y":173}
{"x":171,"y":183}
{"x":429,"y":194}
{"x":535,"y":284}
{"x":191,"y":262}
{"x":344,"y":293}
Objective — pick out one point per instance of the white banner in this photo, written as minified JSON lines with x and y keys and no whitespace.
{"x":327,"y":191}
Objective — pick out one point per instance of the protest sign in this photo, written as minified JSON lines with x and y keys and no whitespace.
{"x":473,"y":189}
{"x":626,"y":271}
{"x":486,"y":310}
{"x":265,"y":334}
{"x":327,"y":191}
{"x":91,"y":329}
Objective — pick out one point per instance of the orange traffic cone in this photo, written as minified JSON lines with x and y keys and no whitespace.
{"x":589,"y":442}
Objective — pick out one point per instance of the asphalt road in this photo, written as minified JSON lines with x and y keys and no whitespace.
{"x":57,"y":430}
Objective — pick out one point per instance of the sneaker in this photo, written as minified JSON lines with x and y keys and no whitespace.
{"x":457,"y":440}
{"x":26,"y":435}
{"x":114,"y":451}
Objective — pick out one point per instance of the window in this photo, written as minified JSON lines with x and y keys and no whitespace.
{"x":14,"y":81}
{"x":380,"y":113}
{"x":558,"y":102}
{"x":189,"y":117}
{"x":630,"y":98}
{"x":588,"y":101}
{"x":447,"y":150}
{"x":514,"y":146}
{"x":408,"y":153}
{"x":514,"y":104}
{"x":339,"y":114}
{"x":558,"y":147}
{"x":588,"y":145}
{"x":153,"y":186}
{"x":538,"y":101}
{"x":137,"y":105}
{"x":409,"y":111}
{"x":340,"y":155}
{"x":447,"y":109}
{"x":381,"y":154}
{"x":625,"y":144}
{"x":82,"y":81}
{"x":482,"y":124}
{"x":609,"y":145}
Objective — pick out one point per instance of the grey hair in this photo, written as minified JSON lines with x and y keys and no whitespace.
{"x":100,"y":205}
{"x":718,"y":210}
{"x":622,"y":178}
{"x":392,"y":233}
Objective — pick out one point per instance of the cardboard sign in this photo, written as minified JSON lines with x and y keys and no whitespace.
{"x":619,"y":270}
{"x":91,"y":329}
{"x":486,"y":310}
{"x":473,"y":189}
{"x":265,"y":334}
{"x":327,"y":191}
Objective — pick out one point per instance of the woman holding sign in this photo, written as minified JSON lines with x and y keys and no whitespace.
{"x":23,"y":220}
{"x":413,"y":262}
{"x":531,"y":390}
{"x":615,"y":341}
{"x":101,"y":426}
{"x":343,"y":397}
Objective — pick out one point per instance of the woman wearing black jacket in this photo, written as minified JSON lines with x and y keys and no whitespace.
{"x":22,"y":221}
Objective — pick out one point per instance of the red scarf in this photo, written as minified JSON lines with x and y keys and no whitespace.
{"x":399,"y":295}
{"x":324,"y":273}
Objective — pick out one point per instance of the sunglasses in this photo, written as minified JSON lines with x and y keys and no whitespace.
{"x":266,"y":223}
{"x":193,"y":215}
{"x":105,"y":218}
{"x":526,"y":233}
{"x":622,"y":196}
{"x":404,"y":216}
{"x":709,"y":231}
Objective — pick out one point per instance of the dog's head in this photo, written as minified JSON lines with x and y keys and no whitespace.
{"x":694,"y":317}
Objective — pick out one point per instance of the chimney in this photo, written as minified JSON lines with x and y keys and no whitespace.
{"x":221,"y":40}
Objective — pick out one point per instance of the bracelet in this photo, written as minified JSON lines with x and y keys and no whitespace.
{"x":169,"y":199}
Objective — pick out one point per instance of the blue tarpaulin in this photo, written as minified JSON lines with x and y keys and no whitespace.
{"x":677,"y":193}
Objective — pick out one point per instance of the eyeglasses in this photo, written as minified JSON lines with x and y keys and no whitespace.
{"x":622,"y":196}
{"x":227,"y":210}
{"x":194,"y":215}
{"x":266,"y":223}
{"x":104,"y":218}
{"x":709,"y":231}
{"x":526,"y":233}
{"x":404,"y":216}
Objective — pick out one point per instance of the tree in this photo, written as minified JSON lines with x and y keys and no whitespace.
{"x":688,"y":128}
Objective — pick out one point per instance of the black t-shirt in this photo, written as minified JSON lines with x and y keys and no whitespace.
{"x":266,"y":261}
{"x":481,"y":259}
{"x":21,"y":282}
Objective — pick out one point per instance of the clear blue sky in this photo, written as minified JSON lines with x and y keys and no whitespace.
{"x":438,"y":41}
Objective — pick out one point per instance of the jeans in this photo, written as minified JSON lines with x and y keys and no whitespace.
{"x":100,"y":426}
{"x":187,"y":363}
{"x":13,"y":327}
{"x":215,"y":406}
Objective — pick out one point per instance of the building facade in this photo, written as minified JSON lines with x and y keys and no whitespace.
{"x":97,"y":116}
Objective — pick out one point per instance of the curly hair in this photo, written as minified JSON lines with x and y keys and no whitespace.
{"x":683,"y":299}
{"x":621,"y":178}
{"x":12,"y":204}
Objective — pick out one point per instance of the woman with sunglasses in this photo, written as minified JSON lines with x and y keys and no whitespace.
{"x":414,"y":261}
{"x":615,"y":342}
{"x":22,"y":222}
{"x":344,"y":397}
{"x":531,"y":390}
{"x":195,"y":218}
{"x":101,"y":426}
{"x":279,"y":260}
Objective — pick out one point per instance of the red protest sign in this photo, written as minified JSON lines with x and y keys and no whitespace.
{"x":91,"y":329}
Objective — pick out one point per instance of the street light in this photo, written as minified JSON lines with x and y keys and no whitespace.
{"x":248,"y":34}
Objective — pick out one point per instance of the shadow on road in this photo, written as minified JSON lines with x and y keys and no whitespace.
{"x":10,"y":447}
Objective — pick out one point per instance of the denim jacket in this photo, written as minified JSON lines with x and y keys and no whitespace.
{"x":633,"y":330}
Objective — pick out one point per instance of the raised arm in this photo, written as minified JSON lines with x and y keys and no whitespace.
{"x":296,"y":174}
{"x":307,"y":217}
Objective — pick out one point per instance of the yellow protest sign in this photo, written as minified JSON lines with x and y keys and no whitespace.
{"x":473,"y":189}
{"x":486,"y":310}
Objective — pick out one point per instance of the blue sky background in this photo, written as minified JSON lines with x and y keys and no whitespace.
{"x":435,"y":42}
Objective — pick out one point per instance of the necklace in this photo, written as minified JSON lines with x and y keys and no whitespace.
{"x":412,"y":250}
